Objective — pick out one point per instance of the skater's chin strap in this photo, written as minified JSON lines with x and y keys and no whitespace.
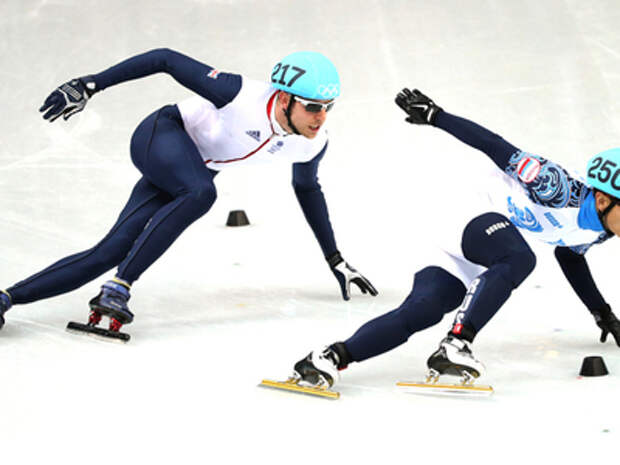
{"x":287,"y":113}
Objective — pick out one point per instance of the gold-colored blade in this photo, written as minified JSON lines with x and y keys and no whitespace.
{"x":448,"y":387}
{"x":292,"y":386}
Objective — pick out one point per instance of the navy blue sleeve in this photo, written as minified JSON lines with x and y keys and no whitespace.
{"x":312,"y":201}
{"x":478,"y":137}
{"x":577,"y":272}
{"x":219,"y":88}
{"x":545,"y":182}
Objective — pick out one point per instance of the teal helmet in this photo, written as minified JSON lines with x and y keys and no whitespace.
{"x":603,"y":172}
{"x":308,"y":75}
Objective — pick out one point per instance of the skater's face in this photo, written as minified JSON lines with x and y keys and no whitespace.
{"x":612,"y":220}
{"x":304,"y":116}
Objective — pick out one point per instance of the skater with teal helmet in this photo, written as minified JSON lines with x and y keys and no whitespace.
{"x":179,"y":153}
{"x":483,"y":255}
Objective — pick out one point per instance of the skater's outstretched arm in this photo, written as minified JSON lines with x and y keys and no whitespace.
{"x":422,"y":110}
{"x":546,"y":182}
{"x":312,"y":202}
{"x":219,"y":88}
{"x":575,"y":268}
{"x":71,"y":97}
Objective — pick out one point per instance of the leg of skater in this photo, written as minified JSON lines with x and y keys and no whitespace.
{"x":76,"y":270}
{"x":435,"y":292}
{"x":176,"y":189}
{"x":490,"y":240}
{"x":169,"y":159}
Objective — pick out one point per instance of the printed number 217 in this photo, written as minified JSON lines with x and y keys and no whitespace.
{"x":299,"y":72}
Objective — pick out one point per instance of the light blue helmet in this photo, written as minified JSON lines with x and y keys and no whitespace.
{"x":308,"y":75}
{"x":603,"y":172}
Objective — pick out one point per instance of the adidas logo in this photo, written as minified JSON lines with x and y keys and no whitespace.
{"x":254,"y":135}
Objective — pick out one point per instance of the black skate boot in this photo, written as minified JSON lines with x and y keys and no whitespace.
{"x":5,"y":304}
{"x":110,"y":302}
{"x":454,"y":357}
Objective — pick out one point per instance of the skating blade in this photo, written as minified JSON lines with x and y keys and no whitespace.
{"x":106,"y":334}
{"x":443,"y":388}
{"x":293,"y":386}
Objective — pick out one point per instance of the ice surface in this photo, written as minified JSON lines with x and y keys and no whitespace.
{"x":225,"y":307}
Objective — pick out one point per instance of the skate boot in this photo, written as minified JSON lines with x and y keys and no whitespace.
{"x":316,"y":373}
{"x":110,"y":302}
{"x":5,"y":304}
{"x":454,"y":357}
{"x":318,"y":369}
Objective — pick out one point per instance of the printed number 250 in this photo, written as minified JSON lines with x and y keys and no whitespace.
{"x":299,"y":72}
{"x":605,"y":171}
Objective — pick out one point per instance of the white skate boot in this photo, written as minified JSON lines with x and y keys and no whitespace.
{"x":454,"y":357}
{"x":314,"y":374}
{"x":319,"y":369}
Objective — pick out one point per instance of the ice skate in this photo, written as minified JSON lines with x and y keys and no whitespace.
{"x":315,"y":374}
{"x":453,"y":358}
{"x":5,"y":304}
{"x":110,"y":302}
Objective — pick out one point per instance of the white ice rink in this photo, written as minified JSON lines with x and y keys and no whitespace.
{"x":226,"y":307}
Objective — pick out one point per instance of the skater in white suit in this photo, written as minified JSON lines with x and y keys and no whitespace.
{"x":179,"y":149}
{"x":485,"y":255}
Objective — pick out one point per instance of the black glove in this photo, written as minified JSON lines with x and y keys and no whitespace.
{"x":420,"y":108}
{"x":607,"y":321}
{"x":69,"y":99}
{"x":346,"y":274}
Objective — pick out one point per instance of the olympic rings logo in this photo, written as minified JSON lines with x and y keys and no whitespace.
{"x":328,"y":91}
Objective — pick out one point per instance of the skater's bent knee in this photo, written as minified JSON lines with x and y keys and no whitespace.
{"x":203,"y":197}
{"x":107,"y":257}
{"x":420,"y":313}
{"x":521,"y":265}
{"x":435,"y":284}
